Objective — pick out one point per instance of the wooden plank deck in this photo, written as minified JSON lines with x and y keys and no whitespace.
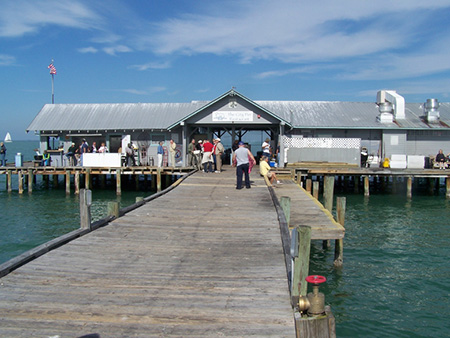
{"x":306,"y":210}
{"x":204,"y":260}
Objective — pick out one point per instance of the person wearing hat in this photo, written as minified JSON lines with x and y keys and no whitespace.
{"x":218,"y":152}
{"x":241,"y":159}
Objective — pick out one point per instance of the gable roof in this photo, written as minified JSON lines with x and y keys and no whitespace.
{"x":230,"y":93}
{"x":165,"y":116}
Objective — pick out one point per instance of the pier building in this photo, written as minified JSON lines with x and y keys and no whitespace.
{"x":304,"y":131}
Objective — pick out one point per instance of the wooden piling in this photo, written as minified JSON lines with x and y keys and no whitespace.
{"x":118,"y":182}
{"x":67,"y":182}
{"x":447,"y":187}
{"x":9,"y":180}
{"x":366,"y":186}
{"x":301,"y":263}
{"x":356,"y":184}
{"x":55,"y":181}
{"x":20,"y":181}
{"x":316,"y":189}
{"x":285,"y":203}
{"x":87,"y":179}
{"x":30,"y":180}
{"x":409,"y":187}
{"x":113,"y":209}
{"x":158,"y":180}
{"x":339,"y":243}
{"x":323,"y":326}
{"x":85,"y":208}
{"x":308,"y":185}
{"x":328,"y":191}
{"x":77,"y":182}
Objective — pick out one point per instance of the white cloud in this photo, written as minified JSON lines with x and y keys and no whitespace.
{"x":7,"y":60}
{"x":85,"y":50}
{"x":293,"y":31}
{"x":148,"y":91}
{"x":21,"y":17}
{"x":151,"y":65}
{"x":116,"y":49}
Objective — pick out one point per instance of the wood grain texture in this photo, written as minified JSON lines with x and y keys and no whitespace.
{"x":204,"y":260}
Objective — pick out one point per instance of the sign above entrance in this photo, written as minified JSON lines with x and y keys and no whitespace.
{"x":230,"y":116}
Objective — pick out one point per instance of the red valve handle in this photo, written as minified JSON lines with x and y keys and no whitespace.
{"x":315,"y":279}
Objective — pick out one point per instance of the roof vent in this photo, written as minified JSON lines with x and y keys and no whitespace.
{"x":397,"y":102}
{"x":431,"y":110}
{"x":386,"y":115}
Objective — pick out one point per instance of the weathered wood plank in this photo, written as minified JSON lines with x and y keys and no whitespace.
{"x":202,"y":260}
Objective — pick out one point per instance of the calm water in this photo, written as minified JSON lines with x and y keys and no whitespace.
{"x":395,"y":279}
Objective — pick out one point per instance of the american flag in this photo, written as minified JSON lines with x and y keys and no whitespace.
{"x":52,"y":68}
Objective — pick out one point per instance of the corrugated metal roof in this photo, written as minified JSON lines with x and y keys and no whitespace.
{"x":300,"y":114}
{"x":111,"y":116}
{"x":352,"y":115}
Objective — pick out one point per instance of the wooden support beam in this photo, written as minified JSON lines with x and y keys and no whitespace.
{"x":20,"y":181}
{"x":113,"y":209}
{"x":158,"y":180}
{"x":87,"y":179}
{"x":447,"y":187}
{"x":85,"y":208}
{"x":9,"y":180}
{"x":67,"y":182}
{"x":316,"y":189}
{"x":339,"y":243}
{"x":308,"y":185}
{"x":30,"y":180}
{"x":356,"y":184}
{"x":285,"y":203}
{"x":77,"y":182}
{"x":366,"y":186}
{"x":55,"y":181}
{"x":301,"y":263}
{"x":409,"y":187}
{"x":328,"y":192}
{"x":118,"y":182}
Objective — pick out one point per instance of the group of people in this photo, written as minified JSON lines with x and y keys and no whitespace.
{"x":205,"y":155}
{"x":244,"y":160}
{"x":172,"y":153}
{"x":74,"y":153}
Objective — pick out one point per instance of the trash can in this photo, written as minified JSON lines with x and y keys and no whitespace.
{"x":19,"y":160}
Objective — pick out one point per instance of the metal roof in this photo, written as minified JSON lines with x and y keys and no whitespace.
{"x":351,"y":115}
{"x":299,"y":114}
{"x":111,"y":116}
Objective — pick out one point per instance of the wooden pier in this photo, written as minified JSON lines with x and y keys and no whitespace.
{"x":203,"y":260}
{"x":77,"y":177}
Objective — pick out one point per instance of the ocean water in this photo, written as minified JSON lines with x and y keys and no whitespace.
{"x":28,"y":220}
{"x":396,"y":273}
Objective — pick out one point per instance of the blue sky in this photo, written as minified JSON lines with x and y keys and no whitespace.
{"x":178,"y":51}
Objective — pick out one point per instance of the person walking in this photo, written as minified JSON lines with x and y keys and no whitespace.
{"x":241,"y":158}
{"x":160,"y":154}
